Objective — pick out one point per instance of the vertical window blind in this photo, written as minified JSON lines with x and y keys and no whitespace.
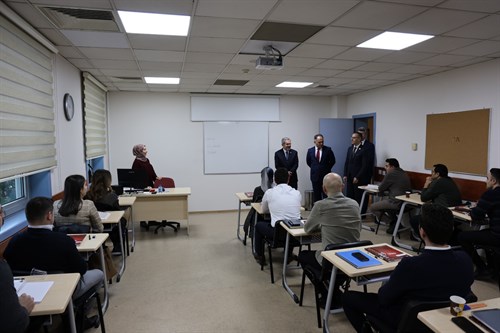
{"x":27,"y":139}
{"x":94,"y":110}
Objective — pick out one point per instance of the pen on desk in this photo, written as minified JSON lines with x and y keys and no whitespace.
{"x":89,"y":237}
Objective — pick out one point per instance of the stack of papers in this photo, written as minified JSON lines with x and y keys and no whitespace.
{"x":37,"y":290}
{"x":104,"y":215}
{"x":372,"y":187}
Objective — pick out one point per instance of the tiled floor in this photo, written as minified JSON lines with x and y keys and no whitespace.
{"x":209,"y":282}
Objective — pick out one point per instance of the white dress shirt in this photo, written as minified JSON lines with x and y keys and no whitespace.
{"x":283,"y":202}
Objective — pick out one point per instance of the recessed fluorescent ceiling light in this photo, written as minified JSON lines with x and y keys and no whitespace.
{"x":162,"y":80}
{"x":394,"y":41}
{"x":155,"y":24}
{"x":289,"y":84}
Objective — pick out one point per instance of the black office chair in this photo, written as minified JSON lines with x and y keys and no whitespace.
{"x":165,"y":182}
{"x":278,"y":241}
{"x":320,"y":279}
{"x":394,"y":212}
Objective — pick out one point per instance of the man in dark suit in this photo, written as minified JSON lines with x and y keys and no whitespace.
{"x":356,"y":169}
{"x":369,"y":149}
{"x":289,"y":159}
{"x":434,"y":275}
{"x":321,"y":160}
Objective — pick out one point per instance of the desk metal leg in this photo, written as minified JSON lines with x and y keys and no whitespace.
{"x":361,"y":205}
{"x":239,"y":225}
{"x":133,"y":229}
{"x":328,"y":304}
{"x":124,"y":256}
{"x":71,"y":317}
{"x":283,"y":275}
{"x":395,"y":240}
{"x":105,"y":303}
{"x":254,"y":231}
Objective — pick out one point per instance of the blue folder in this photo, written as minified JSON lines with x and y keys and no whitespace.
{"x":348,"y":256}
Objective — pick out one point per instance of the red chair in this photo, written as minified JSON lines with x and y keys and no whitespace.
{"x":165,"y":183}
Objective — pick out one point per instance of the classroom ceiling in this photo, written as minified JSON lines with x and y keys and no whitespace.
{"x":316,"y":37}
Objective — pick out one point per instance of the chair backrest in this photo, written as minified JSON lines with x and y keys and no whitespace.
{"x":409,"y":322}
{"x":74,"y":228}
{"x":279,"y":238}
{"x":165,"y":182}
{"x":327,"y":266}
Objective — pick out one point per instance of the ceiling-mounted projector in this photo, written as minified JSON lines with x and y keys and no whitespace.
{"x":270,"y":61}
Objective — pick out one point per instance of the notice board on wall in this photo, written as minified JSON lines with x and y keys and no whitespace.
{"x":459,"y":140}
{"x":235,"y":147}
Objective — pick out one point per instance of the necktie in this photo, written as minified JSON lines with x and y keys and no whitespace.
{"x":286,"y":154}
{"x":317,"y":155}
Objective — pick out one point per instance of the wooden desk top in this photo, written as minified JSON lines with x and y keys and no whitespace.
{"x":440,"y":320}
{"x":352,"y":271}
{"x":126,"y":200}
{"x":297,"y":232}
{"x":413,"y":199}
{"x":369,"y":188}
{"x":59,"y":295}
{"x":114,"y":216}
{"x":93,"y":243}
{"x":243,"y":197}
{"x":178,"y":191}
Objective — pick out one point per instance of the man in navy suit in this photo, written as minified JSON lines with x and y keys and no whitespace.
{"x":321,"y":160}
{"x":356,"y":168}
{"x":368,"y":147}
{"x":289,"y":159}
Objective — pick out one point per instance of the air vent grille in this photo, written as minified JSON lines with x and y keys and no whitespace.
{"x":81,"y":19}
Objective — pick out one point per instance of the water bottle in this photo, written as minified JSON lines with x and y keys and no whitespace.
{"x":160,"y":189}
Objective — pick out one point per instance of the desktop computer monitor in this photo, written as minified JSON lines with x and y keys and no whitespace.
{"x":137,"y":179}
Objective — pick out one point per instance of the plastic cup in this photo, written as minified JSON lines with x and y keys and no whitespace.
{"x":457,"y":304}
{"x":407,"y":193}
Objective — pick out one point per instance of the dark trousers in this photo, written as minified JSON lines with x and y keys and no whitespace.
{"x":353,"y":192}
{"x":356,"y":304}
{"x":468,"y":240}
{"x":263,"y":230}
{"x":318,"y":190}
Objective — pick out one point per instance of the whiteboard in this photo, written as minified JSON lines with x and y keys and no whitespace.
{"x":235,"y":147}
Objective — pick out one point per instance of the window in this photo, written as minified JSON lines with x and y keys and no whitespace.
{"x":13,"y":195}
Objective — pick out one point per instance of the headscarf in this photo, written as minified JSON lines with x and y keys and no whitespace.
{"x":266,"y":178}
{"x":137,"y":151}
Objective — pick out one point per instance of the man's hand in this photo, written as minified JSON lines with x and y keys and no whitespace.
{"x":344,"y":179}
{"x":355,"y":180}
{"x":27,"y":302}
{"x":428,"y":181}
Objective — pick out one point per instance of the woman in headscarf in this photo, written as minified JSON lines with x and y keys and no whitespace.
{"x":141,"y":162}
{"x":266,"y":182}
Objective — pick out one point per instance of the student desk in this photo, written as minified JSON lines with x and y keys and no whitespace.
{"x":169,"y":205}
{"x":371,"y":190}
{"x":129,"y":203}
{"x":114,"y":218}
{"x":414,"y":200}
{"x":439,"y":320}
{"x":242,"y":198}
{"x":304,"y":238}
{"x":58,"y":298}
{"x":352,"y":272}
{"x":92,"y":243}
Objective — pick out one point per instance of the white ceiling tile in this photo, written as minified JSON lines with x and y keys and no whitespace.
{"x":106,"y":53}
{"x":376,"y":66}
{"x":200,"y":75}
{"x":30,"y":14}
{"x":377,"y":15}
{"x":121,"y":73}
{"x":216,"y":45}
{"x":437,"y":21}
{"x":412,"y":69}
{"x":405,"y":57}
{"x":486,"y":6}
{"x":485,"y":28}
{"x":242,"y":69}
{"x":321,"y":72}
{"x":154,"y":6}
{"x":161,"y":66}
{"x":209,"y":58}
{"x":301,"y":62}
{"x":114,"y":64}
{"x":223,"y":27}
{"x":55,"y":37}
{"x":154,"y":42}
{"x":443,"y":60}
{"x":362,"y":54}
{"x":197,"y":67}
{"x":244,"y":9}
{"x":254,"y":46}
{"x":155,"y":55}
{"x":385,"y":76}
{"x":340,"y":64}
{"x":312,"y":12}
{"x":342,"y":36}
{"x":96,"y":38}
{"x":484,"y":48}
{"x":355,"y":74}
{"x":70,"y":52}
{"x":441,"y":44}
{"x":80,"y":63}
{"x":317,"y":50}
{"x":471,"y":61}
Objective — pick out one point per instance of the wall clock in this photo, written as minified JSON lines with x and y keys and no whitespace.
{"x":69,"y":107}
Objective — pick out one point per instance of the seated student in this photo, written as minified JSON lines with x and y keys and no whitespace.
{"x":266,"y":182}
{"x":14,"y":310}
{"x":396,"y":182}
{"x":440,"y":189}
{"x":434,"y":275}
{"x":41,"y":248}
{"x":72,"y":211}
{"x":338,"y":219}
{"x":283,"y":202}
{"x":488,"y":205}
{"x":105,"y":199}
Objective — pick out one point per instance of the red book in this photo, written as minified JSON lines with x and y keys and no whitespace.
{"x":78,"y":238}
{"x":387,"y":253}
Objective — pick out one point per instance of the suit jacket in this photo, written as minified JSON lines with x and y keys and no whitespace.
{"x":370,"y":153}
{"x":442,"y":191}
{"x":46,"y":250}
{"x":397,"y":183}
{"x":13,"y":317}
{"x":322,"y":168}
{"x":291,"y":164}
{"x":358,"y":165}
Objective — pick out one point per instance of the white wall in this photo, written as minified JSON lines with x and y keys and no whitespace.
{"x":401,"y":111}
{"x":175,"y":144}
{"x":69,"y":134}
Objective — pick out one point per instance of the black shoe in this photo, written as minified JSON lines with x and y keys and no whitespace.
{"x":367,"y":328}
{"x":91,"y":322}
{"x":261,"y":260}
{"x":292,"y":257}
{"x":336,"y":301}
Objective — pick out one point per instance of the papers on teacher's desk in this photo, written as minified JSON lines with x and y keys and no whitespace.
{"x":35,"y":289}
{"x":372,"y":187}
{"x":104,"y":215}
